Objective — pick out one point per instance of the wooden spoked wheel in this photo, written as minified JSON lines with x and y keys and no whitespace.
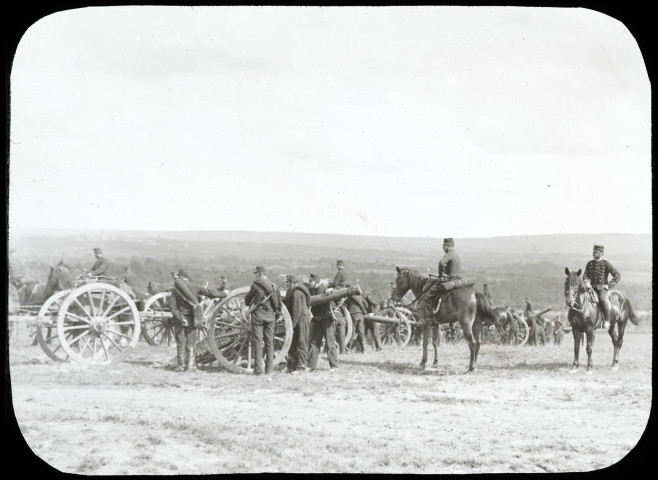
{"x":98,"y":324}
{"x":157,"y":320}
{"x":524,"y":331}
{"x":229,"y":334}
{"x":46,"y":327}
{"x":397,"y":335}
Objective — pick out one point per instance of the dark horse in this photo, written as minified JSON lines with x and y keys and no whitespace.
{"x":583,"y":315}
{"x":463,"y":305}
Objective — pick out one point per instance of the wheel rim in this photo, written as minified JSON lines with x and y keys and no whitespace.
{"x":98,"y":323}
{"x":157,"y":326}
{"x":46,"y":327}
{"x":229,"y":334}
{"x":524,"y":331}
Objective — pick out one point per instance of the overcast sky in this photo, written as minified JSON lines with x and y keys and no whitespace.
{"x":396,"y":121}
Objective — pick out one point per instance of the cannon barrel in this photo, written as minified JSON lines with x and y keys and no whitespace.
{"x":542,"y":312}
{"x":335,"y":295}
{"x":380,"y":319}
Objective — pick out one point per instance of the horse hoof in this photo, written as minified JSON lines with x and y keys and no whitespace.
{"x":421,"y":366}
{"x":614,"y":368}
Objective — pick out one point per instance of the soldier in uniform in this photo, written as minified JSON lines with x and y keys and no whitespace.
{"x":223,"y":283}
{"x":340,"y":281}
{"x":323,"y":326}
{"x":184,"y":296}
{"x":101,"y":266}
{"x":264,"y":302}
{"x":372,"y":305}
{"x":357,"y":308}
{"x":596,"y":274}
{"x":528,"y":307}
{"x":449,"y":269}
{"x":298,"y":301}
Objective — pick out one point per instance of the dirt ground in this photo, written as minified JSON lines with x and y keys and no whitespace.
{"x":522,"y":411}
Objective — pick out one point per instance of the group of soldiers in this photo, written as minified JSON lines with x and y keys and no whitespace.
{"x":312,"y":324}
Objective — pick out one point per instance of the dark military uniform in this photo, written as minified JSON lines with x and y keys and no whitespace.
{"x":323,"y":326}
{"x":597,"y":272}
{"x":184,"y":295}
{"x":449,"y":269}
{"x":297,"y":301}
{"x":340,"y":281}
{"x":372,"y":305}
{"x":357,"y":308}
{"x":100,"y":268}
{"x":263,"y":321}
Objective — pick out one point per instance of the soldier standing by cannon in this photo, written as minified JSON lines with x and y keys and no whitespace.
{"x":297,"y":301}
{"x":183,"y":301}
{"x":323,"y":326}
{"x":340,"y":281}
{"x":372,"y":305}
{"x":357,"y":309}
{"x":264,"y":302}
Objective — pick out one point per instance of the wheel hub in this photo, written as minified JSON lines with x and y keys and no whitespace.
{"x":98,"y":325}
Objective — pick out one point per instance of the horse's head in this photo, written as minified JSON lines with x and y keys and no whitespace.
{"x":60,"y":278}
{"x":402,"y":284}
{"x":573,"y":286}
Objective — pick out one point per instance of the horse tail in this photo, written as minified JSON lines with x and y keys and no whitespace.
{"x":484,"y":307}
{"x":631,"y":313}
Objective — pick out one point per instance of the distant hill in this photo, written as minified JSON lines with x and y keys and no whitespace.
{"x":571,"y":244}
{"x":513,"y":266}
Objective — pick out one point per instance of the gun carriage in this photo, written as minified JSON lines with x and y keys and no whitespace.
{"x":94,"y":322}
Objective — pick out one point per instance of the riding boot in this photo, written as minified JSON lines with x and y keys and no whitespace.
{"x":190,"y":363}
{"x":180,"y":359}
{"x":606,"y":317}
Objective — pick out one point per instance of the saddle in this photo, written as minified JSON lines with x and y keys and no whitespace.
{"x":448,"y":287}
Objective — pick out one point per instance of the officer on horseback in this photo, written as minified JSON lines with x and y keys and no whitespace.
{"x":449,"y":269}
{"x":596,"y":274}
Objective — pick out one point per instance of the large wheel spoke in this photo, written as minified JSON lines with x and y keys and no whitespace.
{"x":119,"y":312}
{"x":111,"y":340}
{"x":78,"y":318}
{"x":83,"y":308}
{"x":110,"y":306}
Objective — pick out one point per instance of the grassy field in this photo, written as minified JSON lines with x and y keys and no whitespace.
{"x":522,"y":411}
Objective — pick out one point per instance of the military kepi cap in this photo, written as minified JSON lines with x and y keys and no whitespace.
{"x":259,"y":269}
{"x":340,"y":262}
{"x":313,"y":276}
{"x":291,"y":278}
{"x":183,"y":273}
{"x":598,"y":248}
{"x":98,"y":250}
{"x":449,"y":241}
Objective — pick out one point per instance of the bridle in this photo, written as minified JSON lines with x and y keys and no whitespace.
{"x":569,"y":293}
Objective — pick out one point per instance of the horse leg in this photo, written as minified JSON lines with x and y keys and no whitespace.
{"x":621,"y":327}
{"x":468,"y":335}
{"x":577,"y":338}
{"x":590,"y":344}
{"x":435,"y":343}
{"x":423,"y":361}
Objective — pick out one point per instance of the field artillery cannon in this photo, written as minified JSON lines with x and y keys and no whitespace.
{"x":94,"y":322}
{"x":394,"y":330}
{"x":229,"y":329}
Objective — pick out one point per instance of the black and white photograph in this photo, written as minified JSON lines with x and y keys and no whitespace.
{"x":323,"y":239}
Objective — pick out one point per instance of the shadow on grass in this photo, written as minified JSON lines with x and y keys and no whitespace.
{"x":414,"y":369}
